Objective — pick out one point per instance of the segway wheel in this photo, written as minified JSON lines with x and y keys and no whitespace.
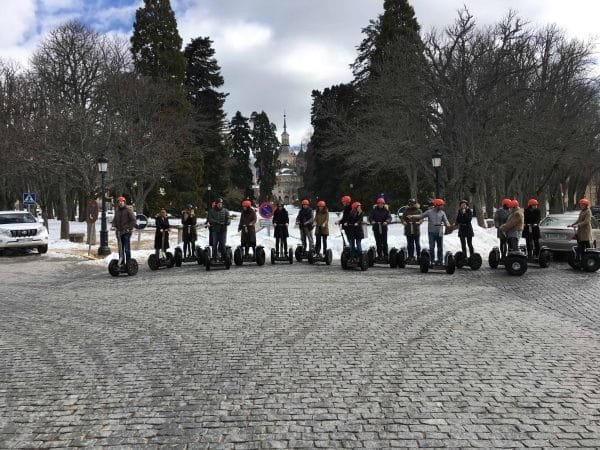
{"x":371,"y":256}
{"x":298,"y":253}
{"x":475,"y":261}
{"x":200,"y":255}
{"x":344,"y":259}
{"x":401,"y":259}
{"x":113,"y":267}
{"x":237,"y":256}
{"x":363,"y":261}
{"x":516,"y":265}
{"x":227,"y":259}
{"x":424,"y":263}
{"x":272,"y":256}
{"x":393,"y":258}
{"x":543,"y":258}
{"x":207,"y":263}
{"x":572,"y":260}
{"x":170,"y":260}
{"x":494,"y":258}
{"x":153,"y":262}
{"x":460,"y":259}
{"x":311,"y":257}
{"x":591,"y":262}
{"x":450,"y":263}
{"x":260,"y":256}
{"x":132,"y":267}
{"x":328,"y":257}
{"x":291,"y":256}
{"x":178,"y":257}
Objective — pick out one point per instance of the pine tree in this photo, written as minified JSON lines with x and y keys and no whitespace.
{"x":266,"y":150}
{"x":202,"y":78}
{"x":241,"y":144}
{"x":156,"y":44}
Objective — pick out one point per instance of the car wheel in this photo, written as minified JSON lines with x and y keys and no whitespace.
{"x":42,"y":249}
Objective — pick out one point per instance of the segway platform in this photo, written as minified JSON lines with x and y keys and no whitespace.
{"x":220,"y":262}
{"x":164,"y":258}
{"x":590,"y":262}
{"x":350,"y":260}
{"x":258,"y":256}
{"x":426,"y":265}
{"x":282,"y":257}
{"x":403,"y":260}
{"x":515,"y":261}
{"x":473,"y":262}
{"x":116,"y":267}
{"x":327,"y":258}
{"x":390,"y":260}
{"x":541,"y":260}
{"x":301,"y":254}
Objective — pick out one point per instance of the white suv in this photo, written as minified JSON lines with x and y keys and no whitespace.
{"x":20,"y":230}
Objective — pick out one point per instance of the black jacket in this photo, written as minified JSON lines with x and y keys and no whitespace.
{"x":463,"y":220}
{"x":533,"y":216}
{"x":355,"y":230}
{"x":281,"y":218}
{"x":161,"y":224}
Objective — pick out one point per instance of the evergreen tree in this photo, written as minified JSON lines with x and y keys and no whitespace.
{"x":156,"y":44}
{"x":241,"y":144}
{"x":266,"y":150}
{"x":202,"y":78}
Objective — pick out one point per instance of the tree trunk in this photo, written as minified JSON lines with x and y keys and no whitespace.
{"x":63,"y":210}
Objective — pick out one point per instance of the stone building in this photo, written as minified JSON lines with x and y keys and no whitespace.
{"x":290,"y":169}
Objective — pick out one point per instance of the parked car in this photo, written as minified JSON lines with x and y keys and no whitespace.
{"x":556,"y":234}
{"x":21,"y":230}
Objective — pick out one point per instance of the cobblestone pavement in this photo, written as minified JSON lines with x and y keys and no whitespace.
{"x":297,"y":357}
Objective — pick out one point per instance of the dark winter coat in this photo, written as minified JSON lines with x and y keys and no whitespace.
{"x":533,"y":216}
{"x":463,"y":220}
{"x":247,"y":226}
{"x":355,"y":230}
{"x":218,"y":219}
{"x":162,"y":223}
{"x":500,"y":218}
{"x":124,"y":219}
{"x":305,"y":218}
{"x":281,"y":220}
{"x":190,"y":232}
{"x":379,"y":215}
{"x":322,"y":222}
{"x":412,"y":226}
{"x":345,"y":214}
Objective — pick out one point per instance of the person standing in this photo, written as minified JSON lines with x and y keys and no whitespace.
{"x":218,"y":220}
{"x":161,"y":235}
{"x":281,"y":221}
{"x":412,"y":229}
{"x":379,"y":218}
{"x":464,"y":219}
{"x":500,"y":218}
{"x":354,"y":228}
{"x":437,"y":219}
{"x":124,"y":223}
{"x":322,"y":227}
{"x":305,"y":221}
{"x":189,"y":232}
{"x":531,"y":232}
{"x":513,"y":228}
{"x":583,"y":226}
{"x":346,"y":209}
{"x":247,"y":227}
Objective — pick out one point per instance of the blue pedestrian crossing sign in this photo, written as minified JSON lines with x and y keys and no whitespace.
{"x":29,"y":198}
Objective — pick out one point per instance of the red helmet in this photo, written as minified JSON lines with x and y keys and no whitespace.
{"x":121,"y":199}
{"x":532,"y":202}
{"x":246,"y":204}
{"x":506,"y":202}
{"x":346,"y":199}
{"x":305,"y":202}
{"x":584,"y":201}
{"x":438,"y":202}
{"x":355,"y":205}
{"x":321,"y":203}
{"x":514,"y":204}
{"x":381,"y":201}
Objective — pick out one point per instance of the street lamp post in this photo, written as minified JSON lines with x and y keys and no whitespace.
{"x":436,"y":162}
{"x":208,"y":188}
{"x":103,"y":250}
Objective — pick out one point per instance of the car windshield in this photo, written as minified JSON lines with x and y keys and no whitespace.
{"x":558,"y":221}
{"x":16,"y":218}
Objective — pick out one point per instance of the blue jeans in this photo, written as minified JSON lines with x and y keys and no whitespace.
{"x":413,"y":242}
{"x":436,"y":238}
{"x":355,"y":246}
{"x":125,"y":240}
{"x":219,"y":239}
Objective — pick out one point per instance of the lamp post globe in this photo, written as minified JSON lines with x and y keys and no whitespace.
{"x":436,"y":162}
{"x":103,"y":250}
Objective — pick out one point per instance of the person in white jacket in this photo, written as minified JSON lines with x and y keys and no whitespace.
{"x":436,"y":218}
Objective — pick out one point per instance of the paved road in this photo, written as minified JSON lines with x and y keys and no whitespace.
{"x":297,"y":357}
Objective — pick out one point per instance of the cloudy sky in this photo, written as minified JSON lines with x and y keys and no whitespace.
{"x":273,"y":53}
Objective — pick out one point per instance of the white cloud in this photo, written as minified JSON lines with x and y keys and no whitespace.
{"x":16,"y":21}
{"x":57,"y":5}
{"x":243,"y":36}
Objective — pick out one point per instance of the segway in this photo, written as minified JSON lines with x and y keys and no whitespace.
{"x":282,"y":257}
{"x":180,"y":259}
{"x":515,"y":261}
{"x":351,"y":260}
{"x":541,"y":259}
{"x":222,"y":261}
{"x":390,"y":259}
{"x":164,"y":258}
{"x":402,"y":260}
{"x":117,"y":266}
{"x":474,"y":261}
{"x":326,"y":258}
{"x":426,"y":264}
{"x":589,"y":262}
{"x":301,"y":253}
{"x":257,"y":256}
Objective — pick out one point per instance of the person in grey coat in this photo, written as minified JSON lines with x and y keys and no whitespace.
{"x":218,"y":221}
{"x":436,"y":218}
{"x":500,"y":218}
